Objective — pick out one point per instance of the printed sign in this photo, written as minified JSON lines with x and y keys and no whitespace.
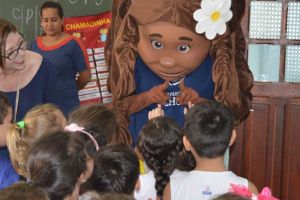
{"x":92,"y":31}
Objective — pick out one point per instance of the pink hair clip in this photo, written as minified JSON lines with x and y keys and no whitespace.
{"x":74,"y":127}
{"x":265,"y":194}
{"x":241,"y":190}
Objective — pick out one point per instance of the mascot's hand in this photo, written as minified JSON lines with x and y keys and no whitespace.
{"x":158,"y":94}
{"x":188,"y":95}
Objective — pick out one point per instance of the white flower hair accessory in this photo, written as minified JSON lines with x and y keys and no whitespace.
{"x":212,"y":17}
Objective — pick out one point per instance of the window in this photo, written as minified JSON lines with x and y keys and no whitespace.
{"x":273,"y":36}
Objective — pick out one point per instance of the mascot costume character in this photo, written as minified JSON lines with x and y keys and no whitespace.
{"x":172,"y":52}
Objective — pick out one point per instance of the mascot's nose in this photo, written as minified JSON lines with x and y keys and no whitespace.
{"x":167,"y":61}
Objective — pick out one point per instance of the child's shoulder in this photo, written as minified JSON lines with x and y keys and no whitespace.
{"x":178,"y":174}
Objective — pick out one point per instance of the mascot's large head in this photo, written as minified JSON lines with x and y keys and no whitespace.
{"x":133,"y":17}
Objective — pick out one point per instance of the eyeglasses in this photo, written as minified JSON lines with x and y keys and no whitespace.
{"x":13,"y":54}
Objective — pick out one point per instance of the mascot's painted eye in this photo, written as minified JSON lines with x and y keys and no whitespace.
{"x":183,"y":48}
{"x":157,"y":44}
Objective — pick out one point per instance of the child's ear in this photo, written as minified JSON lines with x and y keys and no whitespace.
{"x":88,"y":172}
{"x":233,"y":137}
{"x":187,"y":144}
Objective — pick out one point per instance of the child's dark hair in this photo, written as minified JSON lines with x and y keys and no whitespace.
{"x":98,"y":120}
{"x":116,"y":196}
{"x":230,"y":196}
{"x":4,"y":105}
{"x":52,"y":4}
{"x":93,"y":195}
{"x":160,"y":143}
{"x":23,"y":191}
{"x":208,"y":128}
{"x":116,"y":170}
{"x":55,"y":163}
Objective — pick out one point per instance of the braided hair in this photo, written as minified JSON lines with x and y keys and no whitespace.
{"x":160,"y":143}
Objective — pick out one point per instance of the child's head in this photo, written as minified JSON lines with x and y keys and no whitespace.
{"x":38,"y":121}
{"x":23,"y":191}
{"x":91,"y":145}
{"x":5,"y":118}
{"x":160,"y":143}
{"x":230,"y":196}
{"x":93,"y":195}
{"x":116,"y":170}
{"x":98,"y":120}
{"x":208,"y":129}
{"x":116,"y":196}
{"x":58,"y":163}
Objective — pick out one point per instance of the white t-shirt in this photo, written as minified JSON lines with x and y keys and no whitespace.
{"x":203,"y":185}
{"x":147,"y":190}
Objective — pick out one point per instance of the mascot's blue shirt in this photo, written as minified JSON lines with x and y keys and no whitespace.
{"x":200,"y":80}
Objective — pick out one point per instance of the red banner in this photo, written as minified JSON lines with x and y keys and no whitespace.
{"x":92,"y":31}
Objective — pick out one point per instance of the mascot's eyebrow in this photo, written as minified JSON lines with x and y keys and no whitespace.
{"x":156,"y":35}
{"x":180,"y":38}
{"x":186,"y":38}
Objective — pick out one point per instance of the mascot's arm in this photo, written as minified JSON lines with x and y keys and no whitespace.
{"x":135,"y":103}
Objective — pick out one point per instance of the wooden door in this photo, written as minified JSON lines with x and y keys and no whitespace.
{"x":267,"y":150}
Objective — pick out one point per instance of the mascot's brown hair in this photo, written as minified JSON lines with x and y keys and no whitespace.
{"x":231,"y":75}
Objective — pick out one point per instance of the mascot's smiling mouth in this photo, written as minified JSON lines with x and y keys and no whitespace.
{"x":170,"y":75}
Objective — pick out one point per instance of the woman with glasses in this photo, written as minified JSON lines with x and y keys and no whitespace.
{"x":25,"y":77}
{"x":67,"y":54}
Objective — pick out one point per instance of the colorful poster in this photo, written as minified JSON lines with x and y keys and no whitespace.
{"x":92,"y":31}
